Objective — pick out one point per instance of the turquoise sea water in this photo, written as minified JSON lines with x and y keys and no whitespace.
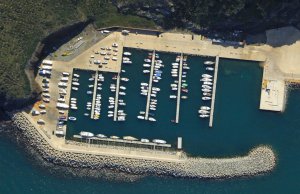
{"x":238,"y":126}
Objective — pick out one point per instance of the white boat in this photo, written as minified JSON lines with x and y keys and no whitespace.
{"x":91,"y":79}
{"x":206,"y":76}
{"x":145,"y":140}
{"x":141,"y":117}
{"x":122,"y":93}
{"x":126,"y":59}
{"x":203,"y":116}
{"x":209,"y":62}
{"x":74,"y":107}
{"x":144,"y":84}
{"x":142,"y":112}
{"x":86,"y":134}
{"x":173,"y":96}
{"x":125,"y":79}
{"x":155,"y":89}
{"x":206,"y":87}
{"x":203,"y":111}
{"x":65,"y":74}
{"x":151,"y":119}
{"x":206,"y":98}
{"x":208,"y":83}
{"x":153,"y":95}
{"x":43,"y":112}
{"x":75,"y":84}
{"x":86,"y":114}
{"x":206,"y":94}
{"x":89,"y":92}
{"x":147,"y":60}
{"x":146,"y":65}
{"x":184,"y":97}
{"x":101,"y":136}
{"x":173,"y":85}
{"x":42,"y":106}
{"x":185,"y":67}
{"x":76,"y":75}
{"x":127,"y":53}
{"x":114,"y":58}
{"x":206,"y":80}
{"x":122,"y":87}
{"x":209,"y":68}
{"x":72,"y":118}
{"x":130,"y":138}
{"x":114,"y":137}
{"x":127,"y":62}
{"x":152,"y":108}
{"x":159,"y":141}
{"x":146,"y":71}
{"x":110,"y":115}
{"x":41,"y":121}
{"x":206,"y":90}
{"x":205,"y":108}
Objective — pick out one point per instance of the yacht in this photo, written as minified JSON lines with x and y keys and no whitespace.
{"x":209,"y":62}
{"x":206,"y":98}
{"x":159,"y":141}
{"x":86,"y":134}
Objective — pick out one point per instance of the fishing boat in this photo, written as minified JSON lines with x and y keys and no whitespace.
{"x":152,"y":119}
{"x":206,"y":98}
{"x":159,"y":141}
{"x":86,"y":134}
{"x":101,"y":136}
{"x":127,"y":53}
{"x":209,"y":68}
{"x":209,"y":62}
{"x":205,"y":108}
{"x":145,"y":140}
{"x":72,"y":118}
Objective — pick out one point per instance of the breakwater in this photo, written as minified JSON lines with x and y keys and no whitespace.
{"x":259,"y":160}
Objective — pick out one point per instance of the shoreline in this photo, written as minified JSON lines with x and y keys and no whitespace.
{"x":258,"y":161}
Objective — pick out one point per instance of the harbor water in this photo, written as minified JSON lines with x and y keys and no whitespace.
{"x":239,"y":125}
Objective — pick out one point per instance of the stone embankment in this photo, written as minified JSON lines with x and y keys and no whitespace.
{"x":259,"y":160}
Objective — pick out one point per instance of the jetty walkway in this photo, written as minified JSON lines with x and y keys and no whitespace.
{"x":94,"y":95}
{"x":211,"y":117}
{"x":179,"y":89}
{"x":117,"y":98}
{"x":150,"y":86}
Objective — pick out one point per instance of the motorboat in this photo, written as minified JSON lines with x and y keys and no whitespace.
{"x":126,"y":59}
{"x":209,"y":68}
{"x":152,"y":108}
{"x":206,"y":98}
{"x":206,"y":80}
{"x":91,"y":79}
{"x":122,"y":87}
{"x":46,"y":100}
{"x":122,"y":93}
{"x":205,"y":108}
{"x":152,"y":119}
{"x":159,"y":141}
{"x":145,"y":140}
{"x":206,"y":94}
{"x":101,"y":136}
{"x":110,"y":115}
{"x":208,"y":83}
{"x":72,"y":118}
{"x":86,"y":134}
{"x":209,"y":62}
{"x":155,"y":89}
{"x":206,"y":76}
{"x":41,"y":121}
{"x":206,"y":87}
{"x":127,"y":53}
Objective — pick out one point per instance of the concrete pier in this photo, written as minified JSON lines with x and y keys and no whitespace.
{"x":94,"y":95}
{"x":179,"y":89}
{"x":211,"y":117}
{"x":150,"y":86}
{"x":117,"y":98}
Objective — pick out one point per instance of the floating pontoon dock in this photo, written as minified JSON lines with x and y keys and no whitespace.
{"x":211,"y":118}
{"x":117,"y":98}
{"x":179,"y":89}
{"x":150,"y":86}
{"x":94,"y":95}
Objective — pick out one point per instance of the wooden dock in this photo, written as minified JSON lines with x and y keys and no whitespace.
{"x":94,"y":95}
{"x":117,"y":98}
{"x":179,"y":89}
{"x":150,"y":86}
{"x":211,"y":117}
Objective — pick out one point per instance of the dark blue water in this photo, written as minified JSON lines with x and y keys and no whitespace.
{"x":238,"y":126}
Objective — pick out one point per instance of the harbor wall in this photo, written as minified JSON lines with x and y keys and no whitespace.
{"x":259,"y":160}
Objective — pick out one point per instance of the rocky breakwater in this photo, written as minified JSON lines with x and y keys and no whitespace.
{"x":259,"y":160}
